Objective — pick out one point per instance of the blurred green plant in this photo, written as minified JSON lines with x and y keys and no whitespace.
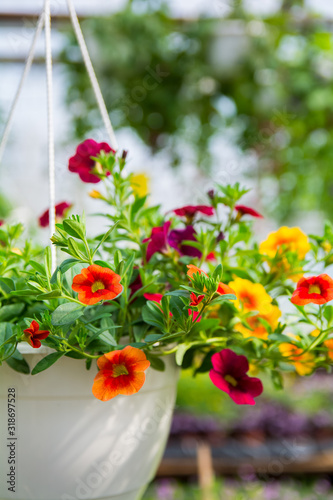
{"x":264,"y":84}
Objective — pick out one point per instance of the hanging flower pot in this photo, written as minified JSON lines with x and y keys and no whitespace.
{"x":59,"y":442}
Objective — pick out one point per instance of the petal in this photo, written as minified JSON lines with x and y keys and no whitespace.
{"x":219,"y":381}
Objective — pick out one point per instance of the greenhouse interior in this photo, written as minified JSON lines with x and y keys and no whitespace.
{"x":166,"y":250}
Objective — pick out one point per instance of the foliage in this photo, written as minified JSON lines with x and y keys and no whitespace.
{"x":273,"y":98}
{"x":165,"y":304}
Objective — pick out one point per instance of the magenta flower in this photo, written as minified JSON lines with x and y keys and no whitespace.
{"x":156,"y":297}
{"x":229,"y":375}
{"x":82,"y":162}
{"x":61,"y":209}
{"x":1,"y":222}
{"x":176,"y":238}
{"x":158,"y":240}
{"x":243,"y":210}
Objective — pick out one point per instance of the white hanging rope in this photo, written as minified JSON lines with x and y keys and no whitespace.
{"x":25,"y":73}
{"x":48,"y":53}
{"x":92,"y":75}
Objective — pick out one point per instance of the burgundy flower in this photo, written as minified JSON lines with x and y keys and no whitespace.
{"x":136,"y":284}
{"x":158,"y":240}
{"x":190,"y":211}
{"x":177,"y":236}
{"x":61,"y":209}
{"x":243,"y":210}
{"x":82,"y":162}
{"x":229,"y":375}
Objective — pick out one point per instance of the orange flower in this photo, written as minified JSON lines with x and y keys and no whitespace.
{"x":223,"y":289}
{"x":291,"y":239}
{"x":303,"y":361}
{"x":258,"y":329}
{"x":194,"y":270}
{"x":97,"y":283}
{"x":318,"y":290}
{"x":121,"y":372}
{"x":33,"y":335}
{"x":251,"y":296}
{"x":329,"y":344}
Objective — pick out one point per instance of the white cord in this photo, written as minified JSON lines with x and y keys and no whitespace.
{"x":92,"y":75}
{"x":25,"y":73}
{"x":48,"y":53}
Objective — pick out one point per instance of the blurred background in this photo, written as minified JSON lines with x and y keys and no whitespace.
{"x":198,"y":92}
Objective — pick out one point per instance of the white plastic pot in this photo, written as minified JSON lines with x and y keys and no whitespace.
{"x":71,"y":446}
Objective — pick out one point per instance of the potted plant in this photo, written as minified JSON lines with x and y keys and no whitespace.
{"x":91,"y":352}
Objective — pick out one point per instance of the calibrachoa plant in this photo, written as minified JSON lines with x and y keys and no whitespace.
{"x":192,"y":282}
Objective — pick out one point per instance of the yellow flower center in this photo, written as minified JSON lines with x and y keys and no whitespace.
{"x":231,"y":380}
{"x":98,"y":285}
{"x":314,"y":289}
{"x":119,"y":370}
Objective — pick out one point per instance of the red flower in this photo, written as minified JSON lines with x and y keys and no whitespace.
{"x":2,"y":222}
{"x":60,"y":210}
{"x":82,"y":162}
{"x":156,"y":297}
{"x":318,"y":290}
{"x":195,"y":300}
{"x":194,"y":315}
{"x":211,"y":257}
{"x":121,"y":372}
{"x":229,"y":375}
{"x":33,"y":335}
{"x":97,"y":283}
{"x":157,"y":240}
{"x":243,"y":210}
{"x":190,"y":211}
{"x":176,"y":238}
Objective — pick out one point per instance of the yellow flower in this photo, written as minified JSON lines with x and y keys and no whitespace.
{"x":253,"y":370}
{"x":303,"y":361}
{"x":326,"y":246}
{"x":289,"y":238}
{"x":96,"y":195}
{"x":140,"y":184}
{"x":17,"y":251}
{"x":258,"y":329}
{"x":251,"y":296}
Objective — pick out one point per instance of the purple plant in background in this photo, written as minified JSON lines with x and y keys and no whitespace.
{"x":165,"y":489}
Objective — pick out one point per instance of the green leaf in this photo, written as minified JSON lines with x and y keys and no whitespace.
{"x":48,"y":261}
{"x":280,"y":337}
{"x":7,"y":333}
{"x":11,"y":311}
{"x":223,"y":298}
{"x":217,"y":274}
{"x":153,"y":337}
{"x":18,"y":363}
{"x":102,"y":263}
{"x":46,"y":362}
{"x":67,"y":264}
{"x":105,"y":237}
{"x":7,"y":284}
{"x":180,"y":353}
{"x":179,"y":293}
{"x":73,"y":249}
{"x":176,"y":308}
{"x":152,"y":315}
{"x":328,"y":314}
{"x":156,"y":363}
{"x":67,"y":313}
{"x":55,"y":294}
{"x":74,"y":228}
{"x":38,"y":267}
